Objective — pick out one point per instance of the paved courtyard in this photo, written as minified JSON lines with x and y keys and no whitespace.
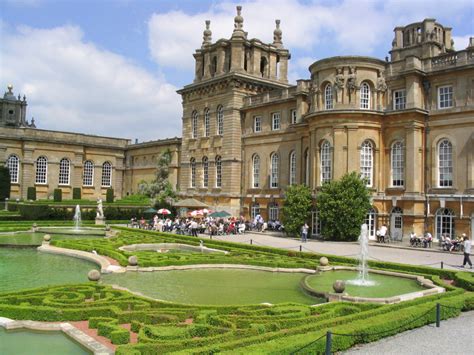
{"x":432,"y":257}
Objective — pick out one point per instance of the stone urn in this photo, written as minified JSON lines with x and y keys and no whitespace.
{"x":47,"y":238}
{"x":93,"y":275}
{"x":133,"y":261}
{"x":323,"y":261}
{"x":339,"y":286}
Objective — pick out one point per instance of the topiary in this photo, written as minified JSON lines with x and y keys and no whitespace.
{"x":109,"y":197}
{"x":31,"y":193}
{"x":76,"y":193}
{"x":5,"y":183}
{"x":58,"y":195}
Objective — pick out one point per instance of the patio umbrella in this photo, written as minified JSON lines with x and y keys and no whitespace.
{"x":163,"y":211}
{"x":149,"y":210}
{"x":220,"y":214}
{"x":197,"y":213}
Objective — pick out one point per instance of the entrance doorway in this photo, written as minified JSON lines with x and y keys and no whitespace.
{"x":396,"y":224}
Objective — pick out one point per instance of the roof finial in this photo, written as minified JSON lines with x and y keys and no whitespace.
{"x":277,"y":35}
{"x":10,"y":88}
{"x":207,"y":34}
{"x":238,"y":23}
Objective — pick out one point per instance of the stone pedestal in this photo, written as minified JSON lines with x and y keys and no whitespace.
{"x":100,"y":221}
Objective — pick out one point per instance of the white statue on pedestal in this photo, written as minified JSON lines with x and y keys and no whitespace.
{"x":100,"y":210}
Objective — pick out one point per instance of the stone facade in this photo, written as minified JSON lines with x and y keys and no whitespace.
{"x":405,"y":123}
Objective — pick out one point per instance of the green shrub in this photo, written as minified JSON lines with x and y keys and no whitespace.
{"x":120,"y":336}
{"x":5,"y":183}
{"x":109,"y":197}
{"x":76,"y":193}
{"x":31,"y":193}
{"x":58,"y":195}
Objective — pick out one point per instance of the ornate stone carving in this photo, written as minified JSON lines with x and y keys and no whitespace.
{"x":381,"y":84}
{"x":339,"y":80}
{"x":352,"y":79}
{"x":207,"y":34}
{"x":277,"y":35}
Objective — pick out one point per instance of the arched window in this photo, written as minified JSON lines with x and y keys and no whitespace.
{"x":106,"y":174}
{"x":194,"y":124}
{"x":365,"y":96}
{"x":275,"y":160}
{"x":256,"y":171}
{"x":13,"y":164}
{"x":273,"y":212}
{"x":218,"y":171}
{"x":398,"y":164}
{"x":444,"y":222}
{"x":445,"y":163}
{"x":41,"y":170}
{"x":88,"y":177}
{"x":220,"y":120}
{"x":328,"y":99}
{"x":205,"y":172}
{"x":292,"y":168}
{"x":263,"y":66}
{"x":64,"y":171}
{"x":367,"y":162}
{"x":192,"y":164}
{"x":326,"y":162}
{"x":207,"y":123}
{"x":370,"y":221}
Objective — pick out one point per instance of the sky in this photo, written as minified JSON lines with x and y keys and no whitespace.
{"x":112,"y":67}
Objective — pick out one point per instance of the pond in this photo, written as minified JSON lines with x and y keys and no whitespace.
{"x":30,"y":238}
{"x":29,"y":268}
{"x":26,"y":342}
{"x":385,"y":285}
{"x":216,"y":286}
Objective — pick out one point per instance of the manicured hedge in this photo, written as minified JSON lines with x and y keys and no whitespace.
{"x":31,"y":193}
{"x":58,"y":195}
{"x":76,"y":193}
{"x":5,"y":183}
{"x":109,"y":196}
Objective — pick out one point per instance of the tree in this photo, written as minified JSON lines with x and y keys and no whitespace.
{"x":296,"y":208}
{"x":5,"y":183}
{"x":343,"y":206}
{"x":160,"y":189}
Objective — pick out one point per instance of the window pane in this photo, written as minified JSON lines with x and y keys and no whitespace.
{"x":256,"y":171}
{"x":13,"y":165}
{"x":326,"y":162}
{"x":88,"y":178}
{"x":64,"y":172}
{"x":41,"y":170}
{"x":106,"y":174}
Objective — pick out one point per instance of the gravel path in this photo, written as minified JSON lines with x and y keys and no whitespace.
{"x":454,"y":337}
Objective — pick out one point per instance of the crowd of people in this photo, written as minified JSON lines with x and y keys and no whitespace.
{"x":209,"y":225}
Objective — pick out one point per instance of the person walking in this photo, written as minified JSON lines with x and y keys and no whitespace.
{"x":304,"y":233}
{"x":467,"y":251}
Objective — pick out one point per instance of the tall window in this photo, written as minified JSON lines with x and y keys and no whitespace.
{"x":365,"y":96}
{"x":444,"y":222}
{"x":367,"y":162}
{"x":328,"y":103}
{"x":194,"y":124}
{"x":88,"y":177}
{"x":218,"y":171}
{"x":41,"y":170}
{"x":315,"y":224}
{"x":257,"y":124}
{"x":193,"y":172}
{"x":107,"y":174}
{"x":293,"y":116}
{"x":370,"y":221}
{"x":275,"y":121}
{"x":254,"y":210}
{"x":445,"y":163}
{"x":326,"y":162}
{"x":275,"y":160}
{"x":292,"y":168}
{"x":445,"y":97}
{"x":205,"y":172}
{"x":273,"y":212}
{"x":64,"y":171}
{"x":398,"y":164}
{"x":220,"y":120}
{"x":207,"y":128}
{"x":13,"y":164}
{"x":256,"y":171}
{"x":399,"y":99}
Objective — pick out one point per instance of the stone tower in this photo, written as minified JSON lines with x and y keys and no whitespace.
{"x":226,"y":71}
{"x":13,"y":110}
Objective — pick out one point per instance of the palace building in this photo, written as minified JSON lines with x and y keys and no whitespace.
{"x":405,"y":123}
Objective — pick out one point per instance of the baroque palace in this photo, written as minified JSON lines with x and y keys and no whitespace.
{"x":405,"y":123}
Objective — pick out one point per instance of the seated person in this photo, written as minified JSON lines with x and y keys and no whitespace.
{"x":413,"y":238}
{"x":427,"y":239}
{"x":241,"y":228}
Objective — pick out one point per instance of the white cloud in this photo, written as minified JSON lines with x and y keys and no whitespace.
{"x":461,"y":42}
{"x":363,"y":27}
{"x":72,"y":85}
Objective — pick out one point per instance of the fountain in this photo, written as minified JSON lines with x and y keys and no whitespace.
{"x":77,"y":218}
{"x":363,"y":278}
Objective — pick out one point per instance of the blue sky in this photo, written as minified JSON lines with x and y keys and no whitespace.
{"x":111,"y":67}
